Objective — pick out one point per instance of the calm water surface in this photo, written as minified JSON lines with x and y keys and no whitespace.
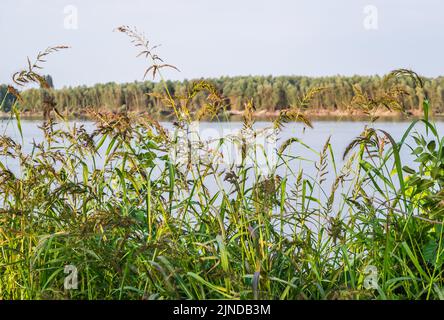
{"x":341,"y":132}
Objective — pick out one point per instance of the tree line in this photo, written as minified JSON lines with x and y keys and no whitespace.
{"x":267,"y":93}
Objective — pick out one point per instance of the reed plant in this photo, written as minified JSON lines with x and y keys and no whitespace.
{"x":136,"y":223}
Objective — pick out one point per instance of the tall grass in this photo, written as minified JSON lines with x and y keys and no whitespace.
{"x":138,"y":225}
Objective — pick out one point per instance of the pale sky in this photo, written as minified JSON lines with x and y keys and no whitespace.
{"x":206,"y":38}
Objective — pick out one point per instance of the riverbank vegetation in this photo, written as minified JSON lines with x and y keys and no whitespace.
{"x":269,"y":94}
{"x":135,"y":223}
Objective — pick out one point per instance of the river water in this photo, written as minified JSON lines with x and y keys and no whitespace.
{"x":341,"y":133}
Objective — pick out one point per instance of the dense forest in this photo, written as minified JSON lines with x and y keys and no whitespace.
{"x":268,"y":93}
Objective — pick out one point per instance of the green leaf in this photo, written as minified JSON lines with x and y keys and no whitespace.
{"x":429,"y":251}
{"x":418,"y":151}
{"x":408,"y":170}
{"x":423,"y":158}
{"x":431,"y":146}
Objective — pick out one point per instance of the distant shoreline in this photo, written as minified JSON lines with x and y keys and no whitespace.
{"x":326,"y":97}
{"x":237,"y":115}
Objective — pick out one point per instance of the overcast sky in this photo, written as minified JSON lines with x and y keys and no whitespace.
{"x":207,"y":38}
